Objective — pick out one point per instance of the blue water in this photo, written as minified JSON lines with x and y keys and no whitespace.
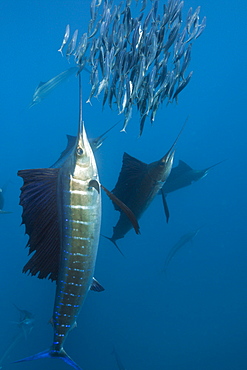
{"x":193,"y":318}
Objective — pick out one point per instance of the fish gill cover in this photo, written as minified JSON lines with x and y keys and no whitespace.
{"x":139,"y":60}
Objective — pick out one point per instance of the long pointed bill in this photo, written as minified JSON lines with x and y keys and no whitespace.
{"x":176,"y":140}
{"x":81,"y":129}
{"x":168,"y":158}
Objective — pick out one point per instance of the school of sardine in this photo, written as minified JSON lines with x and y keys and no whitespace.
{"x":136,"y":61}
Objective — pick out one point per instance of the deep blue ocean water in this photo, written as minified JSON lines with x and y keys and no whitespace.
{"x":194,"y":317}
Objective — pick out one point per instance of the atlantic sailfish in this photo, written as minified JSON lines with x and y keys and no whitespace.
{"x":183,"y":175}
{"x":137,"y":185}
{"x":62,"y":215}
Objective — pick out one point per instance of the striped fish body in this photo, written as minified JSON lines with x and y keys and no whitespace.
{"x":79,"y":207}
{"x":62,"y":216}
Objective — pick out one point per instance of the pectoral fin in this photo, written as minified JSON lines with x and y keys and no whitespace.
{"x":124,"y":209}
{"x":114,"y":242}
{"x":96,"y":286}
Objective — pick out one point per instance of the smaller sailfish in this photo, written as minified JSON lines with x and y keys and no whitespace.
{"x":137,"y":185}
{"x":62,"y":215}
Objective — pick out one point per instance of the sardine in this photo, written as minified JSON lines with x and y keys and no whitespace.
{"x":65,"y":39}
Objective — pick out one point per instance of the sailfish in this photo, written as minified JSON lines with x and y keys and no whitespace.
{"x":137,"y":185}
{"x":62,"y":215}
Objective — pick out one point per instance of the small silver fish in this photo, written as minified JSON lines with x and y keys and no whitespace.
{"x":65,"y":39}
{"x":202,"y":27}
{"x":72,"y":44}
{"x":182,"y":85}
{"x":81,"y":49}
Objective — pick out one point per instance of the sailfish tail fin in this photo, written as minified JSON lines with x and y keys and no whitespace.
{"x":114,"y":242}
{"x":50,"y":353}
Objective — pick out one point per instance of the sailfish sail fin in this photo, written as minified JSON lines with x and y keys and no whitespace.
{"x":39,"y":201}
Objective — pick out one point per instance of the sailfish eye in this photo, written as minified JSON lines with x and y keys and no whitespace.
{"x":79,"y":151}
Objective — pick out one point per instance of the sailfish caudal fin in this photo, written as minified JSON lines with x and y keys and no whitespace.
{"x":52,"y":354}
{"x":114,"y":242}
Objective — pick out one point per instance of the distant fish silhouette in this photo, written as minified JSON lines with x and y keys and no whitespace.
{"x":44,"y":88}
{"x":26,"y":324}
{"x":183,"y":175}
{"x":118,"y":359}
{"x":186,"y":238}
{"x":137,"y":185}
{"x":2,"y":191}
{"x":26,"y":321}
